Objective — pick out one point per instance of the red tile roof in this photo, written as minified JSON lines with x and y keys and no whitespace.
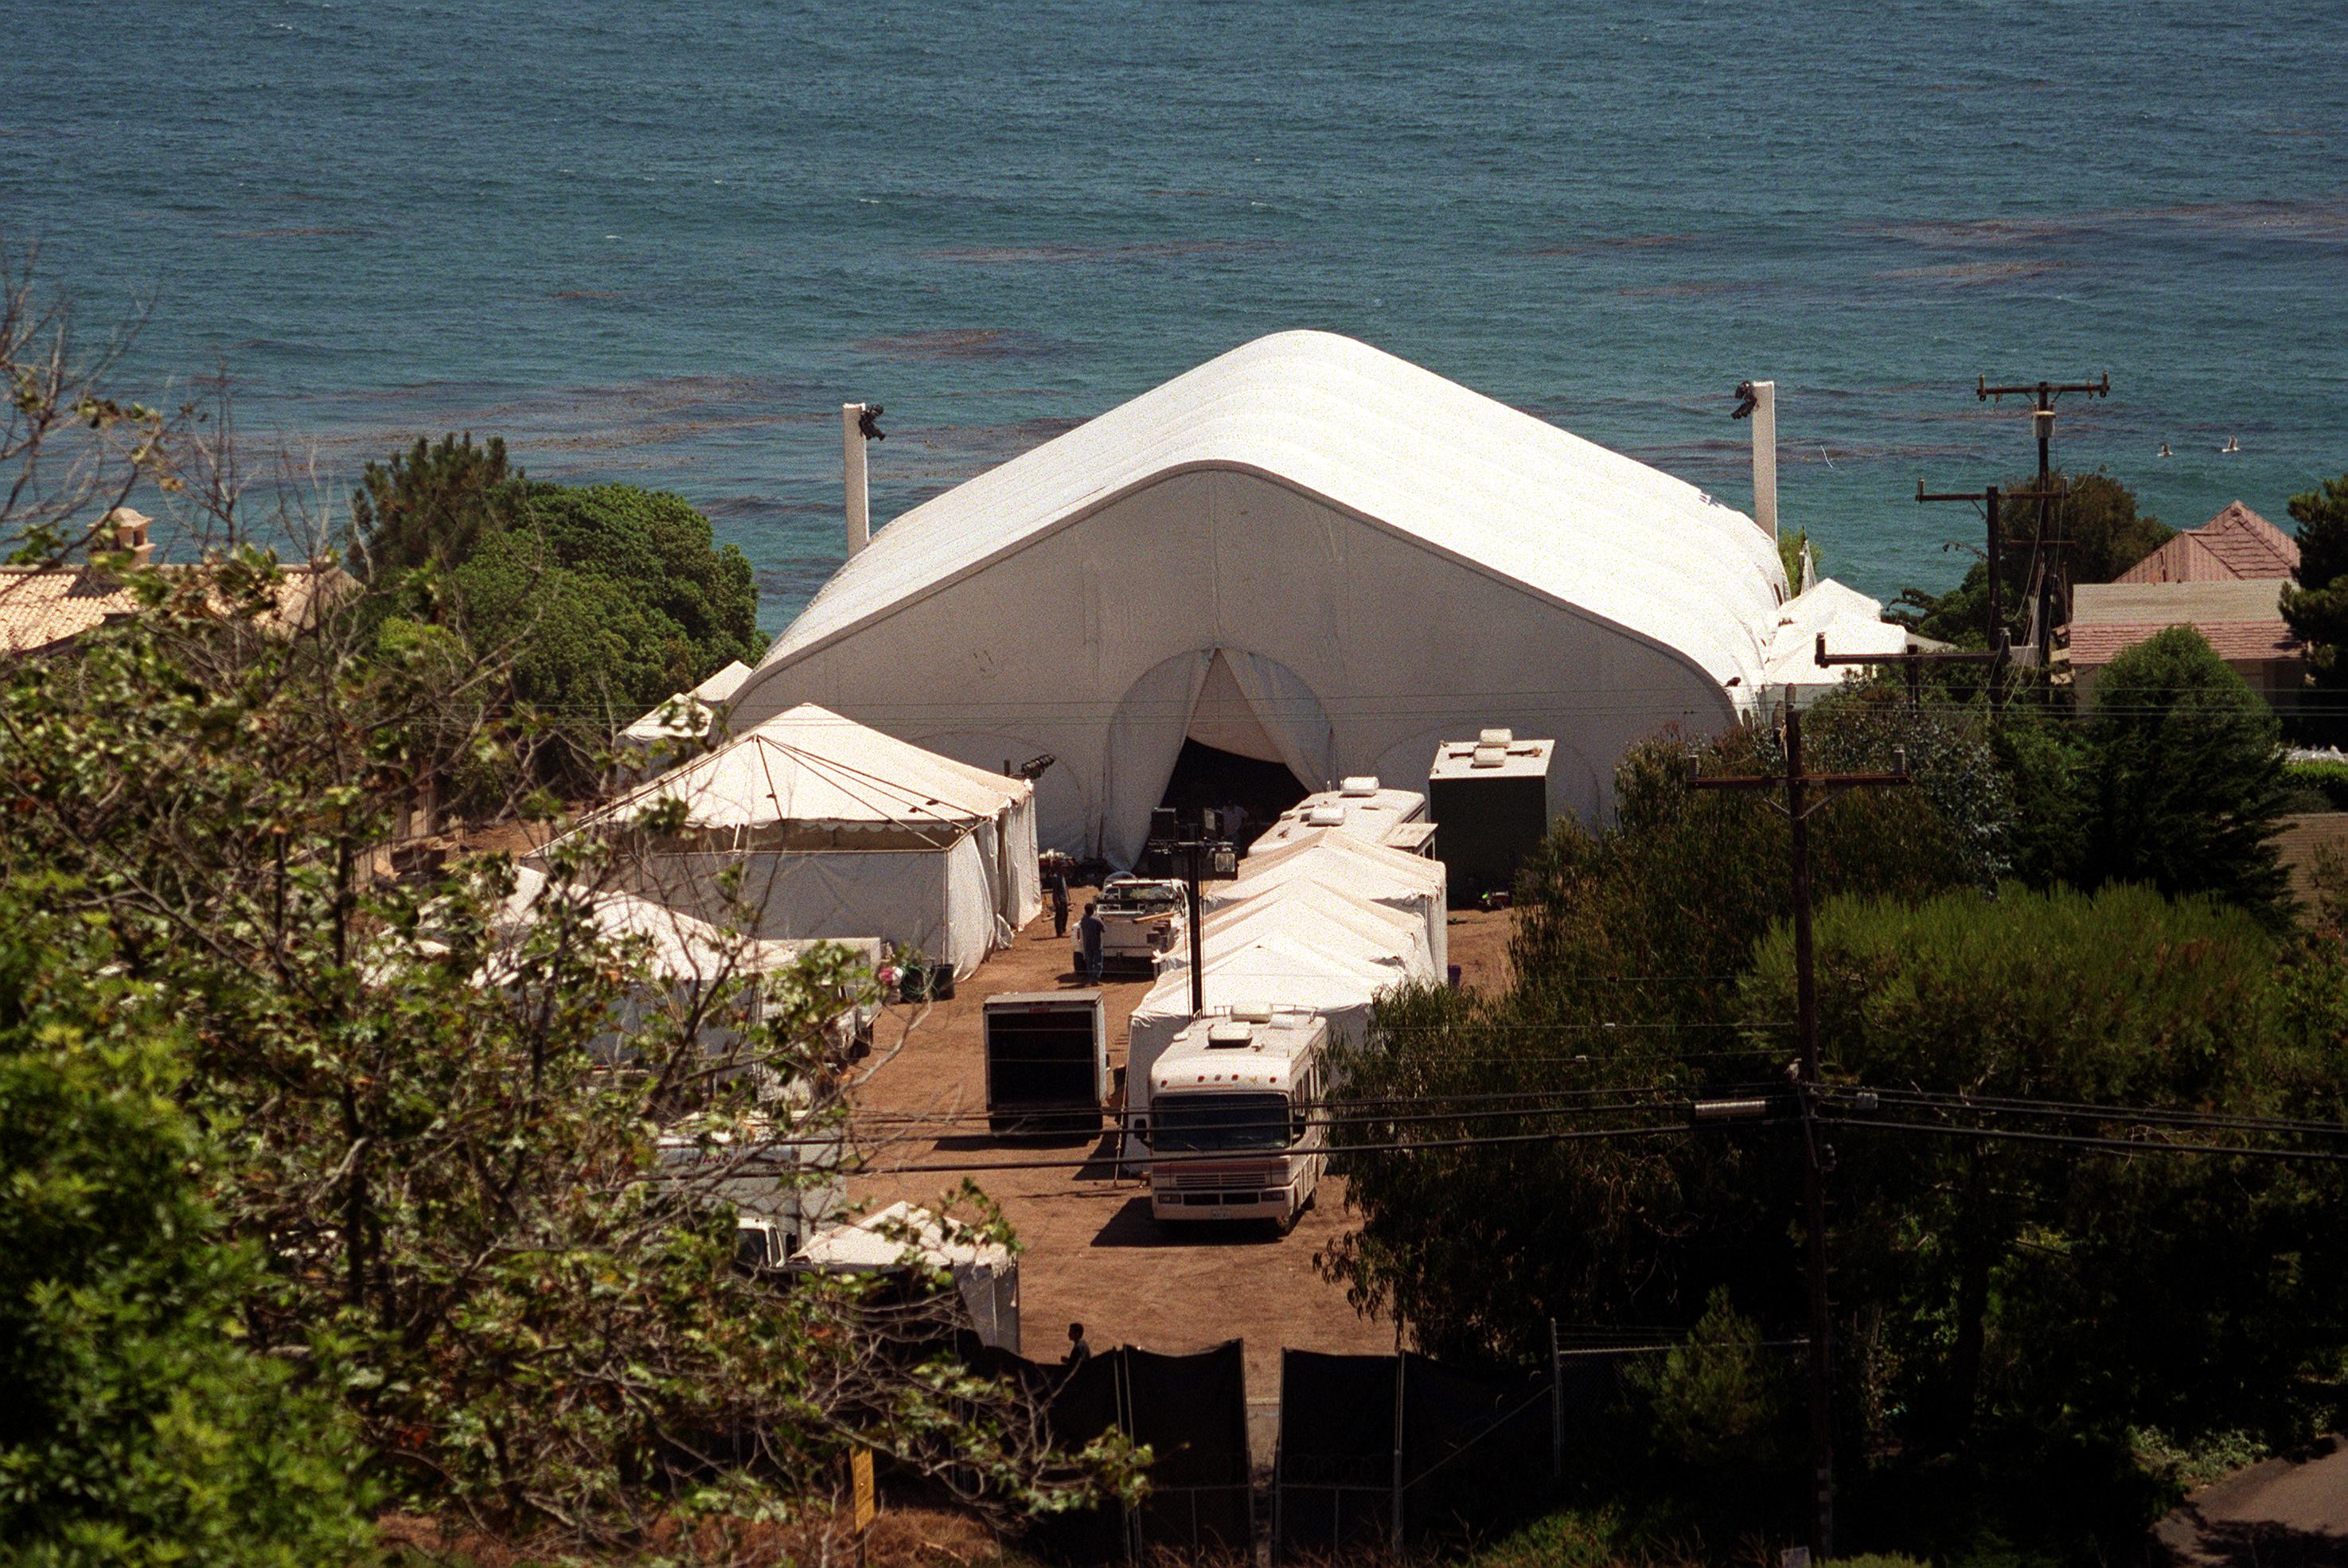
{"x":2239,"y":618}
{"x":2236,"y":642}
{"x":2237,"y":543}
{"x":43,"y":608}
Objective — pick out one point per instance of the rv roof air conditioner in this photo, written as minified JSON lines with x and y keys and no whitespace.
{"x":1360,"y":784}
{"x":1326,"y":817}
{"x":1496,"y":737}
{"x":1230,"y":1036}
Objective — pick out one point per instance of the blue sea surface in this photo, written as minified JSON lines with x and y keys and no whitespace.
{"x":664,"y":244}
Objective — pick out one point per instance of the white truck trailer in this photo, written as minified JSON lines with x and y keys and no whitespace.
{"x":1237,"y":1127}
{"x":1361,"y":806}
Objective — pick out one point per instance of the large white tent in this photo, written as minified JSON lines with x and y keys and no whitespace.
{"x":839,"y":830}
{"x":1305,"y":551}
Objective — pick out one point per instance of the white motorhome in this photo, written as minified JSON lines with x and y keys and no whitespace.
{"x":1236,"y":1126}
{"x":1360,"y":807}
{"x":1144,"y":920}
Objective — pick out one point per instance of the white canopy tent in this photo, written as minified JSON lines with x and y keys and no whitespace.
{"x":1341,"y":866}
{"x":687,"y":955}
{"x":838,"y":831}
{"x":1852,"y":622}
{"x":1305,"y":551}
{"x":901,"y":1236}
{"x":680,"y":725}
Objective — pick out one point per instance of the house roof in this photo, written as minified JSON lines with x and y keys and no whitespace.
{"x":2237,"y":543}
{"x":1392,"y":443}
{"x":2239,"y":618}
{"x":45,"y":608}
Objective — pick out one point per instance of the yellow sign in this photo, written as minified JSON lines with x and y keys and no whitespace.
{"x":860,"y":1476}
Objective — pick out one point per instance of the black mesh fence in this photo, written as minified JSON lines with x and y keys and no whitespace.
{"x":1477,"y":1452}
{"x":1191,"y":1410}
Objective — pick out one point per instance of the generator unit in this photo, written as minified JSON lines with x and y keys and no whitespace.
{"x":1490,"y":799}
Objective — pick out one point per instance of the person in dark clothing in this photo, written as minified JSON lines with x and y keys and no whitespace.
{"x":1058,"y":886}
{"x":1089,"y":932}
{"x":1079,"y":1351}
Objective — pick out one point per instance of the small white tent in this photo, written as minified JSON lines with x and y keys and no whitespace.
{"x":680,"y":725}
{"x":1850,"y":622}
{"x":838,"y":831}
{"x":1347,"y":867}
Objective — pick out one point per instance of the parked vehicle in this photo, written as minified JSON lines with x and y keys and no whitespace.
{"x":1144,"y":920}
{"x":781,"y":1177}
{"x":1236,"y":1126}
{"x":1046,"y":1062}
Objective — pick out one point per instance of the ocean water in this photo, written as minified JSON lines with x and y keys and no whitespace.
{"x":664,"y":244}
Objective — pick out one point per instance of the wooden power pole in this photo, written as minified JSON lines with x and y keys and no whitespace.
{"x":1804,"y":793}
{"x":2045,"y":565}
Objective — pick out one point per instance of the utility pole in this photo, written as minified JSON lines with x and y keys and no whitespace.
{"x":1197,"y":853}
{"x":1798,"y":804}
{"x":2044,"y":570}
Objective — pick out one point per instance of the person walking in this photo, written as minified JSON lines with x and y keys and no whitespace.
{"x":1059,"y":890}
{"x":1079,"y":1351}
{"x":1089,"y":931}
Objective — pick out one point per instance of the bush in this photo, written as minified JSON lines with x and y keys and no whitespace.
{"x":135,"y":1425}
{"x":2328,"y":780}
{"x":2184,"y":780}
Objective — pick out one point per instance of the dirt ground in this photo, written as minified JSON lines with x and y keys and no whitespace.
{"x":1094,"y":1255}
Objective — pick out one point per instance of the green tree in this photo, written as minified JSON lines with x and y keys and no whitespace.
{"x":2038,"y":1303}
{"x":2184,"y":780}
{"x":432,"y":504}
{"x":2103,"y":534}
{"x":599,"y":600}
{"x":426,"y":1119}
{"x":1627,"y":952}
{"x":137,"y":1425}
{"x":2316,"y":602}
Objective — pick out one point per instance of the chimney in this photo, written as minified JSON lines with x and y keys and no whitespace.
{"x":126,"y":531}
{"x":859,"y":493}
{"x":1764,"y":456}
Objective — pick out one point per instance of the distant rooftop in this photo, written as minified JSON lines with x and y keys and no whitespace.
{"x":44,"y":609}
{"x":2236,"y":544}
{"x":2240,"y":619}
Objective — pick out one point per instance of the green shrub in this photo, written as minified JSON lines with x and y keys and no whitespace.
{"x":2328,"y":780}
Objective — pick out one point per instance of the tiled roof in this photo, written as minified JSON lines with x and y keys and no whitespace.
{"x":2237,"y":543}
{"x":2236,"y":642}
{"x":43,"y":608}
{"x":2238,"y":618}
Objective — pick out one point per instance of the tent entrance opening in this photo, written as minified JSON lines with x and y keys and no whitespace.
{"x":1206,"y":777}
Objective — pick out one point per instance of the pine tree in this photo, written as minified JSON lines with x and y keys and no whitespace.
{"x":2316,"y":603}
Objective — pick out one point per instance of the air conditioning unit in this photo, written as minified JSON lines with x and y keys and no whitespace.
{"x":1360,"y":784}
{"x":1326,"y":817}
{"x":1230,"y":1037}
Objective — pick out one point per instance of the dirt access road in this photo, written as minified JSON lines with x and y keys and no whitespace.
{"x":1094,"y":1255}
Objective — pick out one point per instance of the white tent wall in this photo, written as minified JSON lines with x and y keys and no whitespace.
{"x":1400,"y":644}
{"x":939,"y":903}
